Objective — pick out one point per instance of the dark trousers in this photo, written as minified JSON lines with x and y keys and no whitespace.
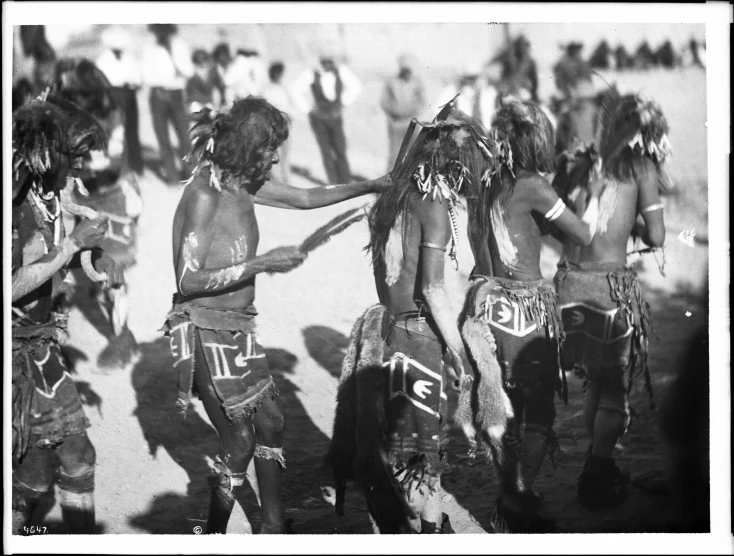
{"x":329,"y":133}
{"x":167,"y":107}
{"x":127,"y":99}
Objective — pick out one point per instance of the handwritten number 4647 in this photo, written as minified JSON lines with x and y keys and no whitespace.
{"x":35,"y":530}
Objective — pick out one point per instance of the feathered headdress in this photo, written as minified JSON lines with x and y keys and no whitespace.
{"x":524,"y":136}
{"x":453,"y":154}
{"x":632,"y":121}
{"x":45,"y":128}
{"x":202,"y":135}
{"x":442,"y":170}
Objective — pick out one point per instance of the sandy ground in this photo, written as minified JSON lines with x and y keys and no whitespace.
{"x":152,"y":466}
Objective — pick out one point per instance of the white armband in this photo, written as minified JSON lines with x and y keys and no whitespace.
{"x":556,"y":211}
{"x":651,"y":208}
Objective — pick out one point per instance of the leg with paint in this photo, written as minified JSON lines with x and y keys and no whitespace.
{"x":32,"y":478}
{"x":269,"y":464}
{"x":237,"y":448}
{"x":76,"y":484}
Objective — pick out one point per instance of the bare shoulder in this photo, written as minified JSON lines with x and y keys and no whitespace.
{"x":200,"y":198}
{"x":535,"y":186}
{"x":432,"y":212}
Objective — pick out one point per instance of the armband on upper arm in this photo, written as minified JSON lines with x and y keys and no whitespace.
{"x":651,"y":208}
{"x":432,"y":246}
{"x":556,"y":211}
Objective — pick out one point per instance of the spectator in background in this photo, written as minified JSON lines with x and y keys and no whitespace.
{"x":200,"y":87}
{"x":577,"y":109}
{"x":35,"y":46}
{"x":402,"y":100}
{"x":478,"y":97}
{"x":122,"y":71}
{"x":519,"y":71}
{"x":166,"y":67}
{"x":246,"y":75}
{"x":222,"y":59}
{"x":277,"y":95}
{"x":322,"y":93}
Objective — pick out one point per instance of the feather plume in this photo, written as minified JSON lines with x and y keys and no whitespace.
{"x":333,"y":227}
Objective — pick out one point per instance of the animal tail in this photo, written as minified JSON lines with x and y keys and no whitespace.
{"x":385,"y":501}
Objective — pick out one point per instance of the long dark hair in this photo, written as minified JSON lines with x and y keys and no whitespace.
{"x":527,"y":142}
{"x":450,"y":146}
{"x":46,"y":129}
{"x":621,"y":118}
{"x":236,"y":139}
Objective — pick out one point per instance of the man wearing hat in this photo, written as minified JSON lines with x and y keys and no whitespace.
{"x":477,"y":98}
{"x":322,"y":93}
{"x":402,"y":99}
{"x":121,"y":69}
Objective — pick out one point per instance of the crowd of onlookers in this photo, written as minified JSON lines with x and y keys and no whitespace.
{"x":182,"y":81}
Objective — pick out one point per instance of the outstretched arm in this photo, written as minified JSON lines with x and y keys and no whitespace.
{"x":435,"y":238}
{"x":277,"y":194}
{"x":193,"y":278}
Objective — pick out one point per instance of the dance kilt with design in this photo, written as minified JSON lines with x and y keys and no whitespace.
{"x":232,"y":352}
{"x":416,"y":400}
{"x":525,"y":321}
{"x":46,"y":404}
{"x":391,"y":408}
{"x":607,"y":322}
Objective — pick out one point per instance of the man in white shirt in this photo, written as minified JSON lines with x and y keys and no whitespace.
{"x":322,"y":93}
{"x":402,"y":100}
{"x":166,"y":67}
{"x":477,"y":97}
{"x":246,"y":75}
{"x":277,"y":95}
{"x":122,"y":71}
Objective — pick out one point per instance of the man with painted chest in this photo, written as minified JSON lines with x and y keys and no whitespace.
{"x":212,"y":324}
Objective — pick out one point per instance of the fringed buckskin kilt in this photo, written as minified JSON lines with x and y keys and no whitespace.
{"x":232,"y":352}
{"x":606,"y":320}
{"x":46,"y":404}
{"x":525,"y":320}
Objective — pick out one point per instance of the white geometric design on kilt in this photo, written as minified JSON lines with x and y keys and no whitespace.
{"x":48,"y":391}
{"x":180,"y":343}
{"x":506,"y":315}
{"x":596,"y":323}
{"x":423,"y":381}
{"x":119,"y":228}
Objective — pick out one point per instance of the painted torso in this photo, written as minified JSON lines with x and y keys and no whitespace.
{"x":514,"y":243}
{"x":617,"y":214}
{"x":235,"y":239}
